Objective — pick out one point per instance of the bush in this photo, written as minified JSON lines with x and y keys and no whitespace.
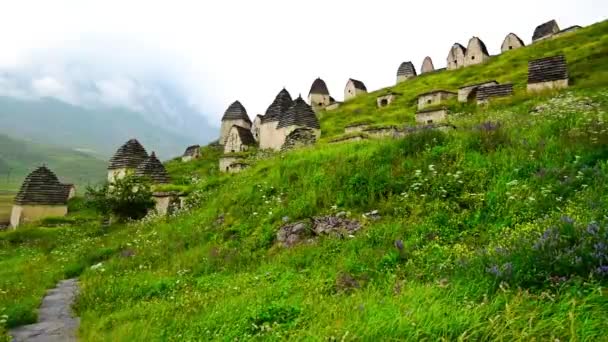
{"x":563,"y":251}
{"x":126,"y":198}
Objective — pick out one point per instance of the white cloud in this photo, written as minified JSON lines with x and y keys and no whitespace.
{"x":214,"y":52}
{"x":50,"y":87}
{"x":119,"y":92}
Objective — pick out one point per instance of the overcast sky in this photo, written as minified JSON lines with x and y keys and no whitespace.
{"x":220,"y":51}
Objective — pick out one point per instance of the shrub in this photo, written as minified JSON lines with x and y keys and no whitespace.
{"x":126,"y":198}
{"x":563,"y":251}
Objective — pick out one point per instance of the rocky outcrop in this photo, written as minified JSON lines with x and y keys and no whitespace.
{"x":296,"y":233}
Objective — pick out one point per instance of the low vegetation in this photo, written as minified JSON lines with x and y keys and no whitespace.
{"x":494,"y":231}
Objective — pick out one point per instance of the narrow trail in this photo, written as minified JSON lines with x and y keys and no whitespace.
{"x":55,"y":321}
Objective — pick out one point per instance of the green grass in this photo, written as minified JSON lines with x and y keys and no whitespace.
{"x":18,"y":158}
{"x":466,"y":204}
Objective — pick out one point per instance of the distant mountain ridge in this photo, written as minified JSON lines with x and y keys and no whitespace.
{"x":19,"y":157}
{"x":99,"y":131}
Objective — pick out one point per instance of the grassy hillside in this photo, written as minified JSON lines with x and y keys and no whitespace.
{"x":494,"y":231}
{"x":19,"y":157}
{"x":585,"y":52}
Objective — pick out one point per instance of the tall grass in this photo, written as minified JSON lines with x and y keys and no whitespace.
{"x":468,"y":208}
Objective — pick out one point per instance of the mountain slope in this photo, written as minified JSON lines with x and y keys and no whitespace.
{"x":53,"y":122}
{"x":494,"y":231}
{"x":19,"y":157}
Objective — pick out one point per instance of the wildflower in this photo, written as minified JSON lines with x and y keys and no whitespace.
{"x":593,"y":228}
{"x":602,"y":270}
{"x":494,"y":270}
{"x":567,"y":220}
{"x":399,"y":244}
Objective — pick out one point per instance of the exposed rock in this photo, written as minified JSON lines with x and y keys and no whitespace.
{"x":127,"y":253}
{"x":333,"y":224}
{"x":346,"y":283}
{"x":372,"y":215}
{"x":295,"y":233}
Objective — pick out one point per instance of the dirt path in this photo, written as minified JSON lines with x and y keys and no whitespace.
{"x":55,"y":321}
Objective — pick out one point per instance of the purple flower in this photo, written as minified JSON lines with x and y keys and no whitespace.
{"x":507,"y":268}
{"x":567,"y":219}
{"x":399,"y":244}
{"x":500,"y":250}
{"x":602,"y":270}
{"x":494,"y":270}
{"x":593,"y":228}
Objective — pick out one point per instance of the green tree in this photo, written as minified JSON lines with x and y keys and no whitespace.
{"x":126,"y":198}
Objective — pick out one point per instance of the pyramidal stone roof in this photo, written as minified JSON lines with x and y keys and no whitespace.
{"x":152,"y":168}
{"x":245,"y":135}
{"x":41,"y":187}
{"x":299,"y":114}
{"x":128,"y":156}
{"x":406,"y":69}
{"x":546,"y":29}
{"x":319,"y":87}
{"x":236,"y":111}
{"x":358,"y":84}
{"x":278,"y":107}
{"x":547,"y":69}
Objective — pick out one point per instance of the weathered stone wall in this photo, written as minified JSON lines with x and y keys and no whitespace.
{"x":355,"y":128}
{"x":511,"y":42}
{"x":455,"y":58}
{"x":167,"y":202}
{"x":403,"y":78}
{"x":226,"y":161}
{"x":233,"y":143}
{"x":427,"y":65}
{"x":348,"y":139}
{"x":465,"y":92}
{"x":255,"y":127}
{"x":30,"y":213}
{"x":382,"y":132}
{"x":551,"y":85}
{"x":350,"y":91}
{"x":269,"y":137}
{"x":237,"y":167}
{"x":300,"y":137}
{"x":433,"y":99}
{"x":475,"y":52}
{"x":431,"y":116}
{"x":226,"y":125}
{"x":383,"y":101}
{"x":318,"y":101}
